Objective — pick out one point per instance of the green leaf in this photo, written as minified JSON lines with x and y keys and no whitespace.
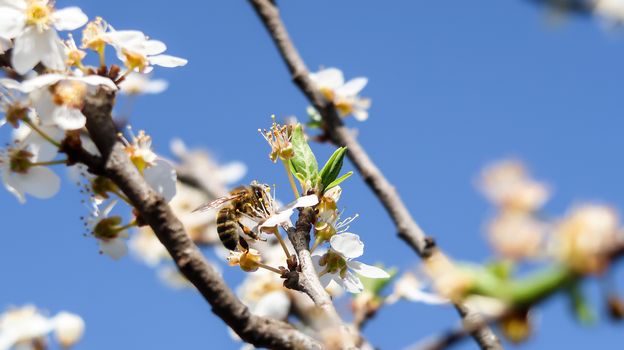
{"x":339,"y":180}
{"x":581,"y":307}
{"x":376,"y":285}
{"x":303,"y":162}
{"x":332,"y":167}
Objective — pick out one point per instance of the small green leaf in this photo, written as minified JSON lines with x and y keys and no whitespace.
{"x":376,"y":285}
{"x":338,"y":180}
{"x":332,"y":167}
{"x":581,"y":307}
{"x":303,"y":162}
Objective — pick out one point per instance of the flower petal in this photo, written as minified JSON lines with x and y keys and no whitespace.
{"x":115,"y":248}
{"x":274,"y":305}
{"x":68,"y":118}
{"x":69,"y":18}
{"x":367,"y":270}
{"x":232,"y":172}
{"x":96,"y":80}
{"x":38,"y":181}
{"x":352,"y":283}
{"x":167,"y":61}
{"x":53,"y":51}
{"x":26,"y":51}
{"x":41,"y":81}
{"x":360,"y":115}
{"x":329,"y":78}
{"x":162,"y":178}
{"x":12,"y":22}
{"x":352,"y":87}
{"x":347,"y":244}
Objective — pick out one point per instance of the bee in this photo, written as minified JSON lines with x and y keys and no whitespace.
{"x":252,"y":202}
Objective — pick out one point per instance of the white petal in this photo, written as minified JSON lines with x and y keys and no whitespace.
{"x":153,"y":47}
{"x":9,"y":184}
{"x":12,"y":22}
{"x":367,"y":270}
{"x":329,"y":78}
{"x":41,"y":81}
{"x":167,"y":61}
{"x":54,"y":54}
{"x":283,"y":215}
{"x":232,"y":172}
{"x":68,"y":118}
{"x":420,"y":296}
{"x":301,"y":202}
{"x":347,"y":244}
{"x":125,"y":38}
{"x":115,"y":248}
{"x":5,"y":44}
{"x":38,"y":181}
{"x":352,"y":87}
{"x":69,"y":18}
{"x":274,"y":305}
{"x":96,"y":80}
{"x":352,"y":283}
{"x":27,"y":51}
{"x":360,"y":114}
{"x":68,"y":328}
{"x":162,"y":178}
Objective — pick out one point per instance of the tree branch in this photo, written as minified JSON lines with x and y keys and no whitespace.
{"x":407,"y":228}
{"x":308,"y":282}
{"x":152,"y":208}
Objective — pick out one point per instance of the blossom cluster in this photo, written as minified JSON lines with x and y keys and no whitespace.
{"x":27,"y":327}
{"x":42,"y":99}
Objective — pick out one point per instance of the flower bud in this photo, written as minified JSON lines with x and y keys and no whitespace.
{"x":68,"y":329}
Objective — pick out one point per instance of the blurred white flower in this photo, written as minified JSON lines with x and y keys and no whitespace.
{"x":26,"y":328}
{"x":517,"y":235}
{"x":263,"y":292}
{"x":507,"y":184}
{"x":171,"y":277}
{"x":21,"y":326}
{"x":146,"y":246}
{"x":20,"y":176}
{"x":583,"y":240}
{"x":68,"y":328}
{"x":139,"y":53}
{"x":33,"y":25}
{"x":612,"y":10}
{"x":137,"y":84}
{"x":410,"y":288}
{"x":330,"y":81}
{"x":338,"y":265}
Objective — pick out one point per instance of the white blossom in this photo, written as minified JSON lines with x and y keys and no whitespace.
{"x":59,"y":98}
{"x":33,"y":25}
{"x":20,"y":177}
{"x":68,"y":328}
{"x":136,"y":84}
{"x":21,"y":328}
{"x":344,"y":95}
{"x":139,"y":53}
{"x":111,"y":239}
{"x":283,"y":214}
{"x":338,"y":265}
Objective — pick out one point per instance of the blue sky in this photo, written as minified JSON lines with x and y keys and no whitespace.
{"x":454,"y":84}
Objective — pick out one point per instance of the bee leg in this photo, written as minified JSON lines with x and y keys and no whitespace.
{"x":243,"y":243}
{"x":250,"y":233}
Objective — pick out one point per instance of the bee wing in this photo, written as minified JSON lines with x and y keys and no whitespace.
{"x":217,"y":202}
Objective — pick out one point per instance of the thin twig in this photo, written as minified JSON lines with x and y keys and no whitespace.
{"x":406,"y":226}
{"x":152,"y":208}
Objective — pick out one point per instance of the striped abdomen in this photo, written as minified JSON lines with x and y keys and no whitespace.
{"x":227,"y":227}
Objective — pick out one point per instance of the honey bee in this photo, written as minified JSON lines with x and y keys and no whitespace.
{"x":252,"y":202}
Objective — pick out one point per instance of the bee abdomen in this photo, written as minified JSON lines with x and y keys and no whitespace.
{"x":227,"y":228}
